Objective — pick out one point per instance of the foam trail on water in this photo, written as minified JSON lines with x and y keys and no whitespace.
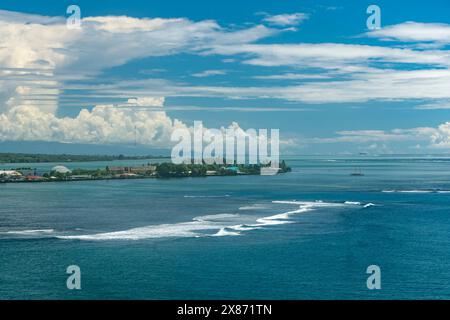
{"x":30,"y":232}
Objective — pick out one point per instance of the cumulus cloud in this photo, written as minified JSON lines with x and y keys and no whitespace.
{"x":104,"y":124}
{"x":287,"y":19}
{"x":101,"y":125}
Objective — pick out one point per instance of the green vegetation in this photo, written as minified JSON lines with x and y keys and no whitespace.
{"x":159,"y":170}
{"x":39,"y":158}
{"x":167,"y":170}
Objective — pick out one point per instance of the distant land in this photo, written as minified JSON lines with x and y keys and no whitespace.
{"x":39,"y":158}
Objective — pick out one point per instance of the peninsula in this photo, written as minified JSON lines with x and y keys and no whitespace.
{"x":148,"y":170}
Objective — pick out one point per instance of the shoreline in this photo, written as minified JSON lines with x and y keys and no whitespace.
{"x":124,"y":178}
{"x":158,"y":171}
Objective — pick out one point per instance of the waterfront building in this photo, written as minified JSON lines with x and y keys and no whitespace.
{"x":61,"y":169}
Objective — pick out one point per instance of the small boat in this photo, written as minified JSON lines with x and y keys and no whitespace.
{"x":357,"y":173}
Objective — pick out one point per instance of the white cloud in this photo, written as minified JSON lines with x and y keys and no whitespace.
{"x":360,"y":86}
{"x":437,"y":138}
{"x":414,"y":32}
{"x":390,"y":85}
{"x":292,"y":76}
{"x":104,"y":124}
{"x":330,"y":55}
{"x":146,"y":102}
{"x":33,"y":45}
{"x":357,"y":73}
{"x":439,"y":105}
{"x":208,"y":73}
{"x":38,"y":54}
{"x":101,"y":125}
{"x":288,"y":19}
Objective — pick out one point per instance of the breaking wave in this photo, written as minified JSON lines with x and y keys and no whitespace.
{"x":225,"y":232}
{"x":368,"y":205}
{"x":215,"y":225}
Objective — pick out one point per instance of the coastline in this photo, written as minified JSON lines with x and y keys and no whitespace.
{"x":164,"y":170}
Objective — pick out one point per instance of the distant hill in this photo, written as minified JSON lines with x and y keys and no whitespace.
{"x":33,"y":158}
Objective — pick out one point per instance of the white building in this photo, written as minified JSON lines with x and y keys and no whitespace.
{"x":61,"y":169}
{"x":10,"y":173}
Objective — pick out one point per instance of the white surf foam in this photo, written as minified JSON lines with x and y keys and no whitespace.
{"x":312,"y":204}
{"x":224,"y":224}
{"x":206,"y":196}
{"x":281,"y":218}
{"x":353,"y":203}
{"x":186,"y":229}
{"x":30,"y":232}
{"x":224,"y":232}
{"x":217,"y":217}
{"x":243,"y":227}
{"x":253,"y":207}
{"x":410,"y":191}
{"x":198,"y":227}
{"x":272,"y":220}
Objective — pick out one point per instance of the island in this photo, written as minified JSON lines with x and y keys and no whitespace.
{"x":43,"y":158}
{"x":163,"y":170}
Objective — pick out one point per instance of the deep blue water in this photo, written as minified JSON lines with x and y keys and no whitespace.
{"x":308,"y":234}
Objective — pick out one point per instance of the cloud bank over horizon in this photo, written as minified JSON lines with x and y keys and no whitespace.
{"x":40,"y":58}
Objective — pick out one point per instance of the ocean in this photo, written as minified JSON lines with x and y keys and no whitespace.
{"x":307,"y":234}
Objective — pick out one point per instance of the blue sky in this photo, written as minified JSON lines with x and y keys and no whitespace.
{"x":309,"y":68}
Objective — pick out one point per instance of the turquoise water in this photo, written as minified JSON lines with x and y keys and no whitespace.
{"x":308,"y":234}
